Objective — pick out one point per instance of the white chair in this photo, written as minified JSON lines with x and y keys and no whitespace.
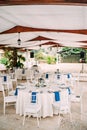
{"x":56,"y":102}
{"x":83,"y":97}
{"x":32,"y":107}
{"x":11,"y":92}
{"x":13,"y":77}
{"x":9,"y":84}
{"x":18,"y":74}
{"x":29,"y":76}
{"x":64,"y":107}
{"x":1,"y":81}
{"x":8,"y":100}
{"x":76,"y":79}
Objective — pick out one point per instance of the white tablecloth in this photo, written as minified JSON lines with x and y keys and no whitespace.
{"x":45,"y":98}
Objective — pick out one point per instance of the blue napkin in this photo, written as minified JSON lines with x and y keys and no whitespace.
{"x":68,"y":75}
{"x":33,"y":99}
{"x":47,"y":76}
{"x":57,"y":96}
{"x":69,"y":91}
{"x":23,"y":71}
{"x":58,"y":76}
{"x":16,"y":92}
{"x":5,"y":78}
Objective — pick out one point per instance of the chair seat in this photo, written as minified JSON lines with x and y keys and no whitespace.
{"x":56,"y":105}
{"x":11,"y":92}
{"x":32,"y":108}
{"x":64,"y":110}
{"x":10,"y":99}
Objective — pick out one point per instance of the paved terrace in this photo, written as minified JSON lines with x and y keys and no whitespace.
{"x":11,"y":121}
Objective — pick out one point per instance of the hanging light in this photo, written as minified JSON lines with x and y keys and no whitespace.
{"x":19,"y":40}
{"x":50,"y":48}
{"x":40,"y":46}
{"x":57,"y":49}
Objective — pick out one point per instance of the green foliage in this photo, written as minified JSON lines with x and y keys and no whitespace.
{"x":4,"y":61}
{"x":42,"y":56}
{"x":9,"y":59}
{"x":50,"y":59}
{"x":39,"y":55}
{"x":70,"y":54}
{"x":20,"y":60}
{"x":68,"y":51}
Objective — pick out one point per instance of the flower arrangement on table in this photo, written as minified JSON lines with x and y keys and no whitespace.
{"x":41,"y":83}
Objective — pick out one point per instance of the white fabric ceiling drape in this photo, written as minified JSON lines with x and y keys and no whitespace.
{"x":46,"y":17}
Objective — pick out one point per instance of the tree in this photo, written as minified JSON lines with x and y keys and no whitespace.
{"x":20,"y":60}
{"x":12,"y":59}
{"x":71,"y":53}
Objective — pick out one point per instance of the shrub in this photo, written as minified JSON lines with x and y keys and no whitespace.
{"x":50,"y":59}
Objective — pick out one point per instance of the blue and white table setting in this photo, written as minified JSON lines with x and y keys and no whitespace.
{"x":45,"y":98}
{"x":45,"y":95}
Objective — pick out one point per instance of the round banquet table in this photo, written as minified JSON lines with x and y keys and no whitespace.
{"x":46,"y":99}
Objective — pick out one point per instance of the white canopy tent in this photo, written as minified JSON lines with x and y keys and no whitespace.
{"x":51,"y":17}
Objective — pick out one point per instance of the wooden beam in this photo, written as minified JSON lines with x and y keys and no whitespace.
{"x":40,"y":2}
{"x":84,"y":46}
{"x":50,"y":43}
{"x":84,"y":41}
{"x":17,"y":29}
{"x":3,"y":45}
{"x":39,"y":38}
{"x":53,"y":44}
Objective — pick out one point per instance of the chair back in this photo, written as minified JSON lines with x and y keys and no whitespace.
{"x":32,"y":98}
{"x":32,"y":107}
{"x":56,"y":96}
{"x":65,"y":101}
{"x":1,"y":80}
{"x":2,"y":88}
{"x":83,"y":104}
{"x":9,"y":82}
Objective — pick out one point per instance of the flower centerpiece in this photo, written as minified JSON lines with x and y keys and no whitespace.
{"x":41,"y":83}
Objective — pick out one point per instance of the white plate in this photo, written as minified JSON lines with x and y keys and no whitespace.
{"x":21,"y":87}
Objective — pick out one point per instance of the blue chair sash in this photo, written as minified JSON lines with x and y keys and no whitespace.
{"x":5,"y":78}
{"x":58,"y":76}
{"x":23,"y":71}
{"x":57,"y":96}
{"x":68,"y":76}
{"x":34,"y":96}
{"x":47,"y":76}
{"x":69,"y":91}
{"x":16,"y":92}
